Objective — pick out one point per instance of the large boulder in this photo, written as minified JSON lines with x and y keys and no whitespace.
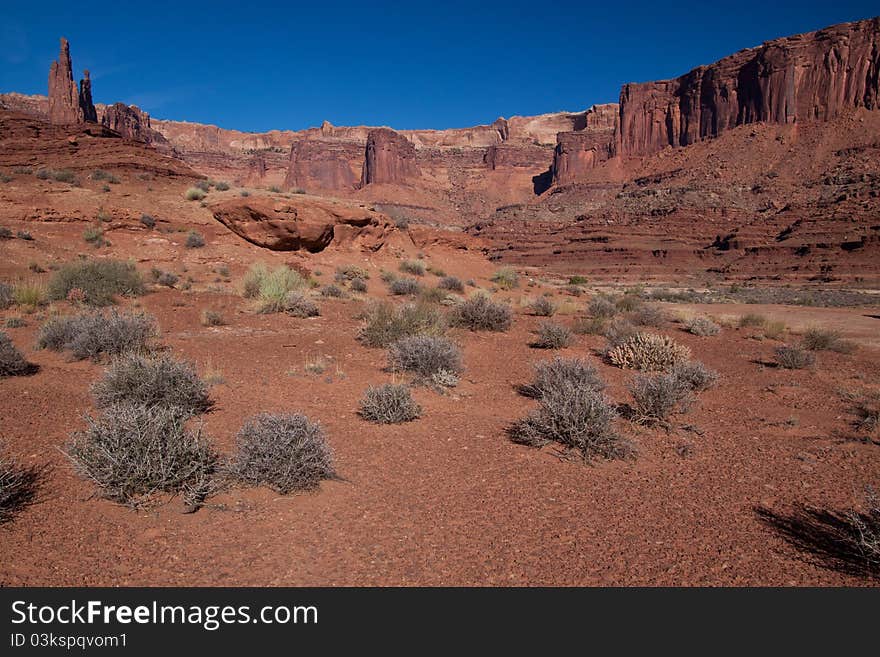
{"x":303,"y":223}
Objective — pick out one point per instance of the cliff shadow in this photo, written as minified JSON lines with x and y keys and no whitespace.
{"x":542,"y":182}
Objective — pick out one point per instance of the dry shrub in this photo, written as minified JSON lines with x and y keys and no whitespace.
{"x":152,"y":381}
{"x":12,"y":361}
{"x":602,"y":306}
{"x":389,"y":404}
{"x":358,"y":285}
{"x":542,"y":307}
{"x":299,"y":305}
{"x":6,"y":296}
{"x":817,"y":339}
{"x":18,"y":487}
{"x":414,"y":267}
{"x":385,"y":323}
{"x":648,"y":315}
{"x":577,"y":417}
{"x":100,"y":281}
{"x":94,"y":335}
{"x":194,"y":240}
{"x":405,"y":286}
{"x":134,"y":452}
{"x":552,"y":336}
{"x":703,"y":326}
{"x":793,"y":357}
{"x":695,"y":375}
{"x":424,"y":355}
{"x":590,"y":325}
{"x":480,"y":313}
{"x":648,"y":352}
{"x":212,"y":318}
{"x":350,"y":273}
{"x":752,"y":320}
{"x":332,"y":291}
{"x":505,"y":278}
{"x":618,"y":331}
{"x":561,"y":372}
{"x":286,"y":452}
{"x":452,"y":284}
{"x":658,"y":396}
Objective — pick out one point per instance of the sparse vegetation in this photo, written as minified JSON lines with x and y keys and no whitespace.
{"x":141,"y":380}
{"x":194,"y":240}
{"x":299,"y":305}
{"x":212,"y":318}
{"x":271,"y":287}
{"x":24,"y":235}
{"x":866,"y":408}
{"x":286,"y":452}
{"x":99,"y":280}
{"x":7,"y":297}
{"x":194,"y":194}
{"x":221,"y":186}
{"x":424,"y":355}
{"x":97,"y":334}
{"x":552,"y":336}
{"x":18,"y":487}
{"x":602,"y":307}
{"x":405,"y":287}
{"x":332,"y":291}
{"x":560,"y":373}
{"x":656,"y":397}
{"x":94,"y":235}
{"x":703,"y":326}
{"x":351,"y":273}
{"x":12,"y":361}
{"x":752,"y":320}
{"x":135,"y":452}
{"x":793,"y":357}
{"x":357,"y":285}
{"x":100,"y":174}
{"x":58,"y":175}
{"x":648,"y":315}
{"x":480,"y":313}
{"x":542,"y":307}
{"x":452,"y":284}
{"x":389,"y":404}
{"x":147,"y":221}
{"x":15,"y":322}
{"x":385,"y":323}
{"x":29,"y":295}
{"x":589,"y":326}
{"x":817,"y":339}
{"x":413,"y":267}
{"x":648,"y":352}
{"x":505,"y":278}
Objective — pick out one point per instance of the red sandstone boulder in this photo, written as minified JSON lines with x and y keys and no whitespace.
{"x":389,"y":158}
{"x":303,"y":223}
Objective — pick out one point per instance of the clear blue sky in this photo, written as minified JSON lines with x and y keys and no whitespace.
{"x":257,"y":65}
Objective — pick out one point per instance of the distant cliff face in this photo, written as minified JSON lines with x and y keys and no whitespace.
{"x":133,"y":123}
{"x":389,"y":158}
{"x":579,"y":151}
{"x":813,"y":76}
{"x":324,"y":164}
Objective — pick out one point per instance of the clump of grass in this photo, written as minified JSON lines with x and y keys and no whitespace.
{"x":793,"y":357}
{"x":648,"y":352}
{"x":413,"y":267}
{"x":560,"y":373}
{"x":332,"y":291}
{"x":552,"y":336}
{"x":424,"y":355}
{"x":590,"y":325}
{"x":480,"y":313}
{"x":221,"y":186}
{"x":542,"y":307}
{"x":12,"y":361}
{"x":578,"y":280}
{"x":29,"y":295}
{"x":817,"y":339}
{"x":452,"y":284}
{"x":774,"y":330}
{"x":351,"y":272}
{"x":100,"y":174}
{"x":286,"y":452}
{"x":433,"y":295}
{"x":212,"y":318}
{"x":389,"y":404}
{"x":94,"y":235}
{"x":752,"y":320}
{"x":385,"y":323}
{"x":166,"y":278}
{"x":100,"y":281}
{"x":194,"y":240}
{"x":271,"y":287}
{"x":275,"y":189}
{"x":7,"y":296}
{"x":702,"y":326}
{"x":5,"y":233}
{"x":15,"y":322}
{"x":405,"y":287}
{"x":695,"y":375}
{"x":505,"y":278}
{"x":203,"y":185}
{"x":194,"y":194}
{"x":97,"y":334}
{"x":59,"y":175}
{"x":135,"y":452}
{"x":134,"y":378}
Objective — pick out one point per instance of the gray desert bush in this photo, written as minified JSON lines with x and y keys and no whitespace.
{"x":480,"y":313}
{"x":385,"y":323}
{"x":18,"y":486}
{"x":7,"y":297}
{"x":542,"y":307}
{"x":702,"y":326}
{"x":561,"y":372}
{"x":405,"y":287}
{"x":332,"y":291}
{"x":505,"y":278}
{"x":152,"y":381}
{"x":793,"y":357}
{"x":299,"y":305}
{"x":552,"y":336}
{"x":357,"y":285}
{"x":132,"y":453}
{"x":656,"y":397}
{"x":12,"y":361}
{"x":286,"y":452}
{"x":424,"y":355}
{"x":452,"y":284}
{"x":602,"y":306}
{"x":648,"y":315}
{"x":389,"y":404}
{"x":695,"y":375}
{"x":194,"y":240}
{"x":818,"y":339}
{"x":97,"y":334}
{"x":413,"y":267}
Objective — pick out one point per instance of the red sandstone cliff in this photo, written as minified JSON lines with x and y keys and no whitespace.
{"x":67,"y":105}
{"x":389,"y":157}
{"x":815,"y":76}
{"x":581,"y":150}
{"x":133,"y":123}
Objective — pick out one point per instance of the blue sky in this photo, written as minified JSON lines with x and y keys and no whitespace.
{"x":261,"y":65}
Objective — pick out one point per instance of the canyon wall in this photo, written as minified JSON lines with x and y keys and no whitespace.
{"x":389,"y":158}
{"x":813,"y":76}
{"x":581,"y":150}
